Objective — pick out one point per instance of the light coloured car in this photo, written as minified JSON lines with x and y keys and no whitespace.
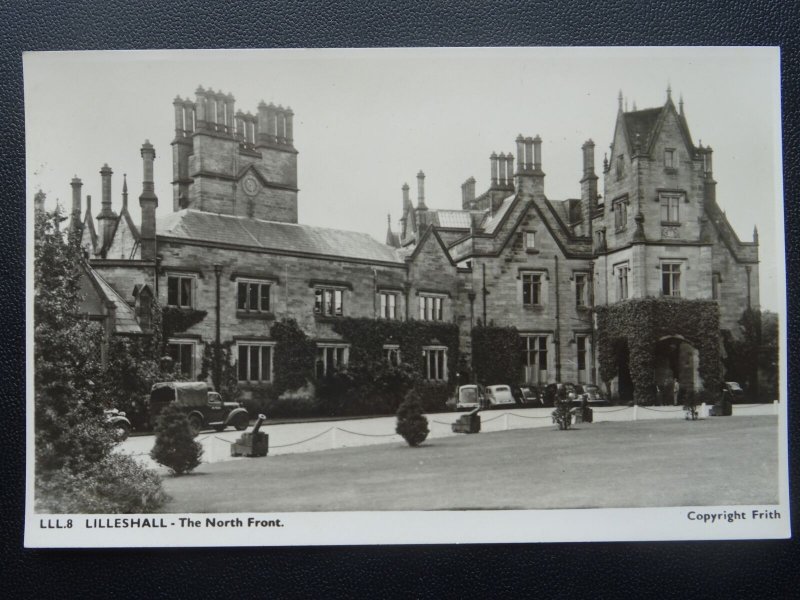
{"x":499,"y":395}
{"x":471,"y":396}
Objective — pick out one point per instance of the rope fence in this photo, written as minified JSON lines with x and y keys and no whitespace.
{"x":548,"y":417}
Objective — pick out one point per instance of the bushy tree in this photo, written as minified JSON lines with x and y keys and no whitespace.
{"x":365,"y":387}
{"x":411,"y":423}
{"x":225,"y":379}
{"x":752,"y":354}
{"x":175,"y":447}
{"x":75,"y":468}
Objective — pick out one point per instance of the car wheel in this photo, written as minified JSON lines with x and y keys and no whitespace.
{"x":241,"y":423}
{"x":122,"y":431}
{"x":195,"y":424}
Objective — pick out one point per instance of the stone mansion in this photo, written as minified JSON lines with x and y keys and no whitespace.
{"x":509,"y":256}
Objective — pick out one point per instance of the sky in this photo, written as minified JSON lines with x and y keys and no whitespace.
{"x":366,"y":121}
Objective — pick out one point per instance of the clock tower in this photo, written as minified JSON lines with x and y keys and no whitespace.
{"x":229,"y":162}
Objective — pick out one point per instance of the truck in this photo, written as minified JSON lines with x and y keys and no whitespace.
{"x":204,"y":407}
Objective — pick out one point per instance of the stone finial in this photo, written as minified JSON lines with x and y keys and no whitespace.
{"x":669,"y":91}
{"x":755,"y":234}
{"x":619,"y":99}
{"x":680,"y":104}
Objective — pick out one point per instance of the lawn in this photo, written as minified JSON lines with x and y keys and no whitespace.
{"x":716,"y":461}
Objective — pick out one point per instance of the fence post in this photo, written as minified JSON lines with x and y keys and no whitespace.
{"x":505,"y":420}
{"x":635,"y":410}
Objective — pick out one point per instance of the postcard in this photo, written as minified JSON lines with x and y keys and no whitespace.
{"x":404,"y":296}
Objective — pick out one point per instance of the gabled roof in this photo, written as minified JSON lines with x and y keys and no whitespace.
{"x":492,"y":221}
{"x":640,"y":126}
{"x":451,"y":219}
{"x":643,"y":126}
{"x":124,"y":214}
{"x":125,"y":317}
{"x":430,"y":230}
{"x":211,"y":228}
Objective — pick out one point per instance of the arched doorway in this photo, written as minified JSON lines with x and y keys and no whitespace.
{"x":676,"y":370}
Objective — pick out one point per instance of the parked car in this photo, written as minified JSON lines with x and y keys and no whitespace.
{"x":733,"y":392}
{"x":499,"y":395}
{"x":204,"y":406}
{"x":470,"y":396}
{"x":528,"y":395}
{"x":594,"y":396}
{"x":561,"y":391}
{"x":118,"y":421}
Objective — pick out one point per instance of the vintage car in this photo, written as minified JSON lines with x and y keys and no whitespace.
{"x":204,"y":407}
{"x":470,"y":396}
{"x":118,"y":421}
{"x":594,"y":397}
{"x":528,"y":395}
{"x":732,"y":392}
{"x":499,"y":395}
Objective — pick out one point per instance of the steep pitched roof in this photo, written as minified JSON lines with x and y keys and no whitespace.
{"x":212,"y":228}
{"x":640,"y":126}
{"x":125,"y":317}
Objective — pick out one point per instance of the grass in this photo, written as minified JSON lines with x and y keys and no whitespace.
{"x":603,"y":465}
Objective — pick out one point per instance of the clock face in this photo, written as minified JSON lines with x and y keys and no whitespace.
{"x":250,"y":185}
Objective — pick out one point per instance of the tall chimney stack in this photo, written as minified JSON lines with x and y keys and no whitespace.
{"x":493,"y":162}
{"x":709,"y":185}
{"x":510,"y":170}
{"x":421,"y":191}
{"x":148,"y":201}
{"x":588,"y":187}
{"x":75,"y":216}
{"x":106,"y":217}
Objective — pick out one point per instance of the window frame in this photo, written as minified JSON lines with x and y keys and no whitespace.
{"x":431,"y":307}
{"x":582,"y":353}
{"x":671,"y":202}
{"x":581,"y":282}
{"x":439,"y":364}
{"x":538,"y":284}
{"x":674,"y":286}
{"x":392,"y":350}
{"x":620,"y":209}
{"x":261,"y":283}
{"x":179,"y":342}
{"x":529,"y":239}
{"x":385,"y":307}
{"x":250,"y":345}
{"x":540,"y":351}
{"x":622,"y":273}
{"x":192,"y":278}
{"x":323,"y":350}
{"x":670,"y":156}
{"x":328,"y":295}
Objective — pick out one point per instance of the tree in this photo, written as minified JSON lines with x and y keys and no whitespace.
{"x":175,"y":447}
{"x":752,"y":355}
{"x":411,"y":423}
{"x":75,"y":468}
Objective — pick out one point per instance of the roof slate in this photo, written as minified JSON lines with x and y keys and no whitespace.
{"x":271,"y":235}
{"x":125,"y":317}
{"x":640,"y":125}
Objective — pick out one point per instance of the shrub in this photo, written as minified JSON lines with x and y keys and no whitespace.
{"x":433,"y":396}
{"x":411,"y":423}
{"x":116,"y":484}
{"x":175,"y":447}
{"x":294,"y":357}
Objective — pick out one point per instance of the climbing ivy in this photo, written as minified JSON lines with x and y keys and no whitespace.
{"x":367,"y":338}
{"x":496,"y":355}
{"x":639,"y":324}
{"x":176,"y":320}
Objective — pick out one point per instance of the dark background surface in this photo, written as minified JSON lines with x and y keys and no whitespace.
{"x":737,"y":569}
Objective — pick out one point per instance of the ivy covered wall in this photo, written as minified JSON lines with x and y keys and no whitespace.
{"x":496,"y":356}
{"x":639,"y":324}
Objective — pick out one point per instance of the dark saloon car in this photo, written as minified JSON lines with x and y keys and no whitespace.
{"x":527,"y":395}
{"x":732,"y":392}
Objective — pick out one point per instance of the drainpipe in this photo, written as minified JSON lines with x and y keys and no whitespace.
{"x":217,"y":370}
{"x":484,"y":293}
{"x":557,"y":337}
